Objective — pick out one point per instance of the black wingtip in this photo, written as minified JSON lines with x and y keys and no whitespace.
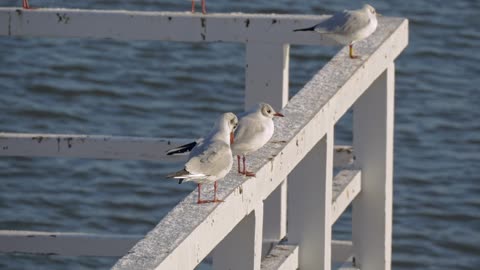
{"x":305,"y":29}
{"x":182,"y":149}
{"x":180,"y":181}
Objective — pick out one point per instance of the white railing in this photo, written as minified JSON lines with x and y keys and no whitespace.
{"x":253,"y":219}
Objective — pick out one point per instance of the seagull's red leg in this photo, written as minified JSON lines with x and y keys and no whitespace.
{"x":199,"y":187}
{"x":247,"y":173}
{"x":199,"y":201}
{"x":215,"y":193}
{"x":25,"y":4}
{"x":193,"y":6}
{"x":204,"y":7}
{"x":239,"y":170}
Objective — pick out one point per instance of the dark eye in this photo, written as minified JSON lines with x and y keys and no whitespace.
{"x":269,"y":111}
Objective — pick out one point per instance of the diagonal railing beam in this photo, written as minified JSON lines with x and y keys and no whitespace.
{"x":190,"y":231}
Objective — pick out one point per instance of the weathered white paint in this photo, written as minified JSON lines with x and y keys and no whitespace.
{"x":267,"y":74}
{"x":166,"y":26}
{"x":242,"y":248}
{"x":341,"y":251}
{"x":373,"y":143}
{"x":66,"y":244}
{"x":309,"y":205}
{"x":282,"y":257}
{"x":346,"y":186}
{"x":309,"y":115}
{"x":275,"y":219}
{"x":267,"y":80}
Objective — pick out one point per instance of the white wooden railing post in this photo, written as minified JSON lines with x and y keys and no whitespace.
{"x":309,"y":205}
{"x":373,"y":144}
{"x":242,"y":248}
{"x":266,"y":80}
{"x":267,"y":74}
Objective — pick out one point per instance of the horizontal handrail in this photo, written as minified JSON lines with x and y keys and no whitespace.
{"x":66,"y":243}
{"x":111,"y":147}
{"x":88,"y":146}
{"x":156,"y":25}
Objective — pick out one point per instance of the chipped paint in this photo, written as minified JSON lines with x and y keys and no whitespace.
{"x":9,"y":24}
{"x":39,"y":139}
{"x":62,"y":18}
{"x":69,"y":142}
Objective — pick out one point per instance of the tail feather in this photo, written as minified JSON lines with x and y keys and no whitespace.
{"x":184,"y":175}
{"x":178,"y":174}
{"x":305,"y":29}
{"x":182,"y":149}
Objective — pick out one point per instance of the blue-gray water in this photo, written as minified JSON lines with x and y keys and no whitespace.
{"x":175,"y":89}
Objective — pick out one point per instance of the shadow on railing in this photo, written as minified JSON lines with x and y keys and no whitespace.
{"x":253,"y":219}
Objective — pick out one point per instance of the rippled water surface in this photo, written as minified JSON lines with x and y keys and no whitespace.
{"x":160,"y":89}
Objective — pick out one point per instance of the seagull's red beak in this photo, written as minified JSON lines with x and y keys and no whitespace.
{"x":231,"y":137}
{"x":278,"y":114}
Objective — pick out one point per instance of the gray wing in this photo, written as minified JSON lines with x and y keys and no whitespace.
{"x":213,"y":160}
{"x":343,"y":22}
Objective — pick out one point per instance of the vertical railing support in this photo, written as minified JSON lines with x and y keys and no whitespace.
{"x":373,"y":144}
{"x":242,"y":248}
{"x":267,"y":79}
{"x":310,"y":204}
{"x":267,"y":74}
{"x":275,"y":219}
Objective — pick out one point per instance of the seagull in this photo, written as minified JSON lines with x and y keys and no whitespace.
{"x":211,"y":159}
{"x":255,"y":129}
{"x":204,"y":7}
{"x":25,"y":4}
{"x":348,"y":26}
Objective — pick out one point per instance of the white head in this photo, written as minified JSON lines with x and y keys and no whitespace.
{"x":371,"y":10}
{"x":267,"y":110}
{"x":227,"y":122}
